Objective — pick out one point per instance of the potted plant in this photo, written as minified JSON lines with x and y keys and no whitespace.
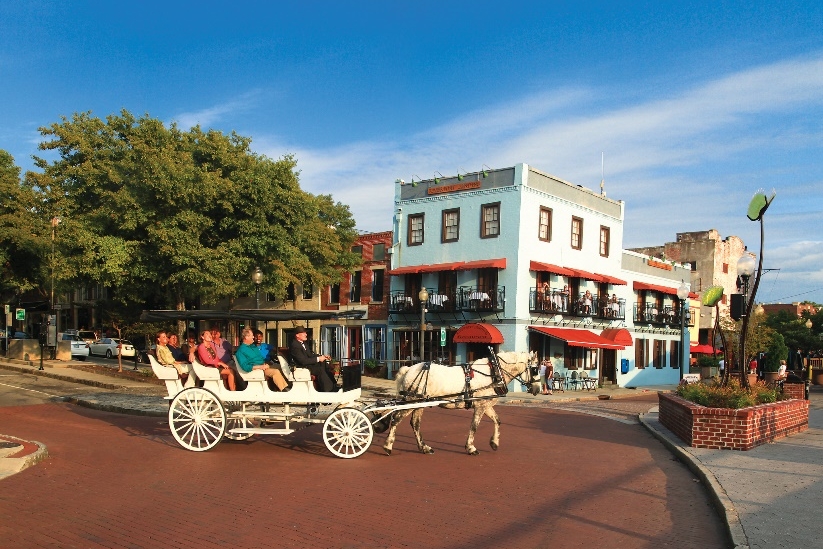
{"x":708,"y":366}
{"x":370,"y":366}
{"x":771,"y":362}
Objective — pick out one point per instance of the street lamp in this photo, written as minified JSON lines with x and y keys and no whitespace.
{"x":424,"y":298}
{"x":745,"y":269}
{"x":685,"y":339}
{"x":55,"y":221}
{"x":257,"y":279}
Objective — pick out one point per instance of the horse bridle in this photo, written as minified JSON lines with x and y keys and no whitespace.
{"x":532,"y":377}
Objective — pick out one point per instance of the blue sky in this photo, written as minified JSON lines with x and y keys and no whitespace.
{"x":695,"y":105}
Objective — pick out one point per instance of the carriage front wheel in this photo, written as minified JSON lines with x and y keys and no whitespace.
{"x":347,"y":432}
{"x":197,"y":419}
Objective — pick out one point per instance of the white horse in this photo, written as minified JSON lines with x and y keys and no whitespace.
{"x":450,"y":382}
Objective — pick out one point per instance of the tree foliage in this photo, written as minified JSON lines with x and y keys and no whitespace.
{"x":794,"y":331}
{"x":162,"y":215}
{"x":23,"y":234}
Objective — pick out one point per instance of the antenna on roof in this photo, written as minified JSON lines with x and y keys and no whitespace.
{"x":602,"y":174}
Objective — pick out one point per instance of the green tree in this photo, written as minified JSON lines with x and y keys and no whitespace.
{"x":776,"y":352}
{"x":23,"y":244}
{"x":158,"y":214}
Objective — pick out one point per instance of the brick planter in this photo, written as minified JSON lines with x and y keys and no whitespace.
{"x":723,"y":428}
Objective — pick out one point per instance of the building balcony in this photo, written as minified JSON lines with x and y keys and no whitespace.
{"x":555,"y":301}
{"x":480,"y":299}
{"x":666,"y":316}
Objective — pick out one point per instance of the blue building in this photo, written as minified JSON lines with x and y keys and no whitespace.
{"x":538,"y":263}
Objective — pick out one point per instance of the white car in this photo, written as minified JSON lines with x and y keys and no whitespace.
{"x":111,"y":346}
{"x":79,"y":348}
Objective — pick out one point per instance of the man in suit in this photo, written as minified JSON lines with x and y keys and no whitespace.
{"x":305,"y":358}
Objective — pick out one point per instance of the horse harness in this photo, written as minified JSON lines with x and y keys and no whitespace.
{"x":496,"y":374}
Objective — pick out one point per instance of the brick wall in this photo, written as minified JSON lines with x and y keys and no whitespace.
{"x":721,"y":428}
{"x":795,"y":390}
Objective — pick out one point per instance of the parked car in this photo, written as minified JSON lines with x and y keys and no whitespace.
{"x":87,"y":336}
{"x":79,"y":348}
{"x":111,"y":346}
{"x":143,"y":353}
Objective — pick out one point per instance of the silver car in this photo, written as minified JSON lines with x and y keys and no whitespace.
{"x":111,"y":346}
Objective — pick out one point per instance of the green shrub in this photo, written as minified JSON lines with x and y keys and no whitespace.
{"x":370,"y":364}
{"x":715,"y":395}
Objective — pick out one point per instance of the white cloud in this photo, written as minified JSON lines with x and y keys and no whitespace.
{"x":207,"y":117}
{"x":674,"y":160}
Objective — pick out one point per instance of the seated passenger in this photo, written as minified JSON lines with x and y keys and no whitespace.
{"x":165,"y":356}
{"x":207,"y":355}
{"x":781,"y":371}
{"x":249,"y":358}
{"x":264,"y":348}
{"x":223,"y":347}
{"x":174,"y":347}
{"x":307,"y":359}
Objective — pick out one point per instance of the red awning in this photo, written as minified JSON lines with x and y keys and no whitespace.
{"x":483,"y":264}
{"x":549,"y":268}
{"x":620,"y":336}
{"x":434,"y":267}
{"x":578,"y":338}
{"x":613,"y":280}
{"x":579,"y":273}
{"x":662,"y":289}
{"x":702,"y":349}
{"x":478,"y":332}
{"x":455,"y":266}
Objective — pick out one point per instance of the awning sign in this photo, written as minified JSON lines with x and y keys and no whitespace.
{"x":21,"y":314}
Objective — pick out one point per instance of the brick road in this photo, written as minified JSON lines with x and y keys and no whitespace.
{"x":560,"y":479}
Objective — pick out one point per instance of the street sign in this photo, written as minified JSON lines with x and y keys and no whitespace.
{"x":442,"y":337}
{"x":21,"y":314}
{"x":8,"y":309}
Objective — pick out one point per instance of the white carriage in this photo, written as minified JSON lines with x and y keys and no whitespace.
{"x":201,"y":414}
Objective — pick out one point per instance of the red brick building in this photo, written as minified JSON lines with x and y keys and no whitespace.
{"x":365,"y":289}
{"x":794,"y":308}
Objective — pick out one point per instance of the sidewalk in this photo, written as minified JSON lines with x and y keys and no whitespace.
{"x":767,"y":496}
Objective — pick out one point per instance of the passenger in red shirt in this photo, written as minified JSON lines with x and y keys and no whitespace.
{"x":207,"y":355}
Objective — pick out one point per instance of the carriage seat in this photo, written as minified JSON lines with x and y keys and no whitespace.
{"x":293,"y":374}
{"x":171,"y":377}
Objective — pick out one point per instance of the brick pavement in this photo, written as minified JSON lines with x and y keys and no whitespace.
{"x":560,"y":479}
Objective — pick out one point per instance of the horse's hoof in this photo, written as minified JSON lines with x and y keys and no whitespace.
{"x":494,"y":446}
{"x":474,"y":452}
{"x":387,"y":450}
{"x":427,"y":450}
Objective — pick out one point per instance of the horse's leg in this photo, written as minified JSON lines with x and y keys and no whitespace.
{"x":417,"y":415}
{"x":478,"y":415}
{"x":396,"y":418}
{"x":495,"y":440}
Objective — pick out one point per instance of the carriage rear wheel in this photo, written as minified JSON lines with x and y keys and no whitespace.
{"x":347,"y":432}
{"x":197,"y":419}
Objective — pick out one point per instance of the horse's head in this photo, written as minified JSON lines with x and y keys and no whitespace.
{"x":522,"y":367}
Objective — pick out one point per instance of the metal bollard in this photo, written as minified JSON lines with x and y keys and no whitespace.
{"x":136,"y":355}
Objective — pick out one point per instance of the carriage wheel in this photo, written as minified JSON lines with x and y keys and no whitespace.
{"x":197,"y":419}
{"x":347,"y":432}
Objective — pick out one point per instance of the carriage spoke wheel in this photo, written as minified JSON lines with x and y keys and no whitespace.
{"x":197,"y":419}
{"x":347,"y":432}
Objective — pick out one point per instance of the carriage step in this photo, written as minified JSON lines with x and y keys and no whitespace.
{"x":260,"y":431}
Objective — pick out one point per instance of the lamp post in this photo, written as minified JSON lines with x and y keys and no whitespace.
{"x":55,"y":221}
{"x":685,"y":339}
{"x":257,"y":278}
{"x":424,"y":298}
{"x":809,"y":368}
{"x":745,"y":269}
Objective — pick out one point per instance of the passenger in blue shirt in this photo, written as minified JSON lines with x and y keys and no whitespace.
{"x":264,"y":348}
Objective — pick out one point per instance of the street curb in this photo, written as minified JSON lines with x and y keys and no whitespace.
{"x":113,"y":408}
{"x":70,"y":379}
{"x":26,"y":461}
{"x":723,"y":505}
